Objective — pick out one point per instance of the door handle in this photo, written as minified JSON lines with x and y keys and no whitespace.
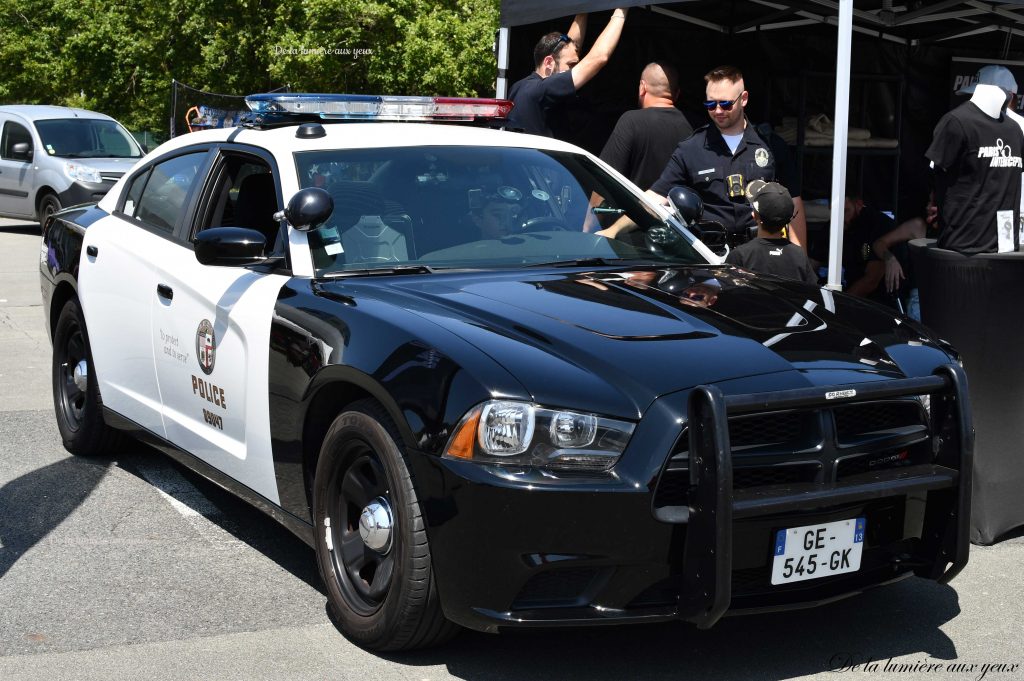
{"x":165,"y":291}
{"x":92,"y":251}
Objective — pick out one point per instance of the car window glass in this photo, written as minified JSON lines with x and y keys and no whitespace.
{"x":163,"y":198}
{"x":86,"y":138}
{"x":131,"y":201}
{"x":244,"y":194}
{"x":465,"y":206}
{"x":13,"y":134}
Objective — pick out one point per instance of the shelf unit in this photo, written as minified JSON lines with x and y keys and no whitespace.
{"x":856,"y":156}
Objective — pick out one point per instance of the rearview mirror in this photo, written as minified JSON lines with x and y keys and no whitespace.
{"x":307,"y":209}
{"x":230,"y":246}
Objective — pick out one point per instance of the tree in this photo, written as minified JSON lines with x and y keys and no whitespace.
{"x":120,"y":58}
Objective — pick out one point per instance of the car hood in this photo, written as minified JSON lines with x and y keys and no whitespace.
{"x":624,"y":337}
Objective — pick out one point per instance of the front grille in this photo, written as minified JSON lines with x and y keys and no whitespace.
{"x":557,"y":587}
{"x":790,"y":447}
{"x":858,"y":421}
{"x":766,"y":430}
{"x":110,"y":177}
{"x":758,"y":476}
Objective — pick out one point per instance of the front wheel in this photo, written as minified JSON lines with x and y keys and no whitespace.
{"x":371,"y":544}
{"x":48,"y":205}
{"x":76,"y":397}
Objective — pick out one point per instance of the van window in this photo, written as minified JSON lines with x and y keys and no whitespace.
{"x":13,"y":134}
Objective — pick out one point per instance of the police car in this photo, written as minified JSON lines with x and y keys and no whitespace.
{"x":411,"y":344}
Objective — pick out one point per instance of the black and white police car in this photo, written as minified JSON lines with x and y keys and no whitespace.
{"x":411,"y":345}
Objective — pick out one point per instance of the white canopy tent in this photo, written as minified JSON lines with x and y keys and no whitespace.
{"x":909,"y":24}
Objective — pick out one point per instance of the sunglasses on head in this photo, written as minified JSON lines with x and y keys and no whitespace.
{"x":559,"y":39}
{"x":726,"y":104}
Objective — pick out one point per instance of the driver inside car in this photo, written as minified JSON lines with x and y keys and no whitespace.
{"x":495,"y":211}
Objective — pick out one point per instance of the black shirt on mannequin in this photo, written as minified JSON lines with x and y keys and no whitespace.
{"x":978,"y":180}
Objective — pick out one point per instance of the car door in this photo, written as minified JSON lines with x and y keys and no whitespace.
{"x":215,"y":403}
{"x":16,"y":174}
{"x":118,"y":284}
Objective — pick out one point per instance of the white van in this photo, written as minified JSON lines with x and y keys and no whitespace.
{"x":56,"y":156}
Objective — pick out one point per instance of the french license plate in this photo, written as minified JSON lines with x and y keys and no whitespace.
{"x":814,"y":551}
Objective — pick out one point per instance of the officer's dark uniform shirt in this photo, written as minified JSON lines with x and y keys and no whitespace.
{"x":643,"y":140}
{"x":704,"y":163}
{"x":537,"y":101}
{"x":978,"y":188}
{"x":774,"y":256}
{"x":858,"y":250}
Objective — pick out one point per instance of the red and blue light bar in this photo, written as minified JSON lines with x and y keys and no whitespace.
{"x":381,"y":107}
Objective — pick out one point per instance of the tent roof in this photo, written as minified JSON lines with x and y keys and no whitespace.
{"x":990,"y":24}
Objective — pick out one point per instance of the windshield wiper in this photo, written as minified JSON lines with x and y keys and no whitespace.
{"x":397,"y":269}
{"x":579,"y":262}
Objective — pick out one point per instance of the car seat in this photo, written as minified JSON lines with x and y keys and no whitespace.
{"x":256,"y":205}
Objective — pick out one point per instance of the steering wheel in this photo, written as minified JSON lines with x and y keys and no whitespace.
{"x":539,"y":223}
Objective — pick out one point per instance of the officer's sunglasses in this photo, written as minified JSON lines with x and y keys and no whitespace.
{"x":726,"y":104}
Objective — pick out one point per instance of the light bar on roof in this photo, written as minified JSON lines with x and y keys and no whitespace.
{"x":381,"y":108}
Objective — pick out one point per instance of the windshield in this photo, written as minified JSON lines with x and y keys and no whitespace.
{"x":87,"y":138}
{"x":479,"y":207}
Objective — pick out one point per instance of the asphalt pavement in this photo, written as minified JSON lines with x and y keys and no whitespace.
{"x":131,"y":567}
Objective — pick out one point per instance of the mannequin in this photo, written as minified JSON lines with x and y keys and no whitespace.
{"x":976,"y":151}
{"x":990,"y":99}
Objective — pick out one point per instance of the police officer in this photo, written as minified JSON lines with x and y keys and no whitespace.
{"x":722,"y":157}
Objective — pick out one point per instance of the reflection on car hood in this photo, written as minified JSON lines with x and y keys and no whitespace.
{"x":650,"y":331}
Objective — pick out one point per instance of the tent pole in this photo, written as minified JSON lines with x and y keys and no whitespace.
{"x":842,"y":121}
{"x":501,"y":88}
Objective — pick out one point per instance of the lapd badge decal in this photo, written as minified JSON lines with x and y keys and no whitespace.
{"x":206,"y":346}
{"x":761,"y":157}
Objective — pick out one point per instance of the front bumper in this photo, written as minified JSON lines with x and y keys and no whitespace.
{"x":519,"y":548}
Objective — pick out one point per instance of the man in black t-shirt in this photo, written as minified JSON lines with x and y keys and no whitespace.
{"x":558,"y":73}
{"x":643,"y":139}
{"x":770,"y":252}
{"x":977,"y":160}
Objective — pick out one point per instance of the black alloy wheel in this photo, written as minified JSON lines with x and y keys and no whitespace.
{"x":76,"y":399}
{"x":371,"y":543}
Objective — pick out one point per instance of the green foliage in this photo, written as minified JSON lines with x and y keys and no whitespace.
{"x":120,"y":58}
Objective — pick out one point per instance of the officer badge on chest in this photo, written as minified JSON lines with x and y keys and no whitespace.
{"x":761,"y":157}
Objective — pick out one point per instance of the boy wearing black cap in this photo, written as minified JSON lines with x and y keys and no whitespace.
{"x":770,"y":252}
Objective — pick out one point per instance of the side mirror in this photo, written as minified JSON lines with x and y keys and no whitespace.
{"x":22,"y":151}
{"x":230,"y":246}
{"x":308,"y":209}
{"x":687,"y":203}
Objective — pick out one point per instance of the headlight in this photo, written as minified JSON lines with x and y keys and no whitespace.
{"x":523,"y":434}
{"x":81,"y":173}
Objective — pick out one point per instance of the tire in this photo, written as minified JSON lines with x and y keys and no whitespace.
{"x":384,"y":598}
{"x":48,"y":205}
{"x":79,"y":412}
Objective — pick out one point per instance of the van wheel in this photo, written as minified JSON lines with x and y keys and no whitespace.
{"x":371,"y":544}
{"x":76,"y":397}
{"x":48,"y":205}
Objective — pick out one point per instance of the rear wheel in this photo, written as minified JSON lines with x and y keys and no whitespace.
{"x":371,"y":544}
{"x":76,"y":398}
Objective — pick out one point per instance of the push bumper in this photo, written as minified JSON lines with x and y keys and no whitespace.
{"x":604,"y":556}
